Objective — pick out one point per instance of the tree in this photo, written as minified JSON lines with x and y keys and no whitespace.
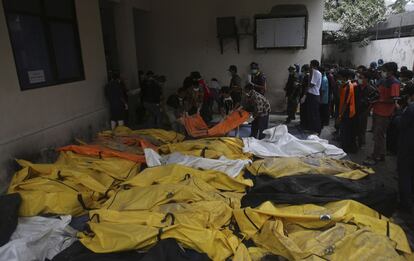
{"x":399,"y":6}
{"x":355,"y":16}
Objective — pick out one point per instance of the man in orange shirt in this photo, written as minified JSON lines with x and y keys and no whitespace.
{"x":383,"y":109}
{"x":347,"y":111}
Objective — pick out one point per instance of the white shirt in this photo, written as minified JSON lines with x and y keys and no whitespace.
{"x":215,"y":85}
{"x":316,"y":82}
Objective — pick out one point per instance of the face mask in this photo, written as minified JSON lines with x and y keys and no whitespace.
{"x":254,"y":71}
{"x":180,"y":99}
{"x":384,"y":75}
{"x":360,"y":81}
{"x":340,"y":82}
{"x":196,"y":89}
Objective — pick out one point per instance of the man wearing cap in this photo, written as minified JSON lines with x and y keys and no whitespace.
{"x":235,"y":86}
{"x":375,"y":75}
{"x":257,"y":79}
{"x":292,"y":90}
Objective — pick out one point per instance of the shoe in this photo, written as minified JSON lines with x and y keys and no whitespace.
{"x":370,"y":161}
{"x":380,"y":159}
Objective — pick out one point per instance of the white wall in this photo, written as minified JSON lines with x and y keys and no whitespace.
{"x":400,"y":51}
{"x":34,"y":120}
{"x":180,"y":37}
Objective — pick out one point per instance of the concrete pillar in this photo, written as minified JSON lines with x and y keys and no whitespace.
{"x":125,"y":38}
{"x":127,"y":50}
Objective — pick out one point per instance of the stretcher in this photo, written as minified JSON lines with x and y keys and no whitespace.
{"x":197,"y":128}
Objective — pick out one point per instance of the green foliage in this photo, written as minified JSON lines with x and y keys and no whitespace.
{"x":355,"y":16}
{"x":399,"y":6}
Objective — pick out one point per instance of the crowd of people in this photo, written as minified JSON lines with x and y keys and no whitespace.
{"x":195,"y":96}
{"x":321,"y":92}
{"x":350,"y":96}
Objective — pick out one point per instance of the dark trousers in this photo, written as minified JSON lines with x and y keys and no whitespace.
{"x":348,"y":134}
{"x":405,"y":165}
{"x":313,"y":118}
{"x":393,"y":133}
{"x":335,"y":112}
{"x":324,"y":113}
{"x":206,"y":111}
{"x":154,"y":115}
{"x":303,"y":121}
{"x":292,"y":107}
{"x":362,"y":126}
{"x":259,"y":124}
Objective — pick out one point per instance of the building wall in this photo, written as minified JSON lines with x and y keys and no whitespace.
{"x":397,"y":50}
{"x":35,"y":120}
{"x":124,"y":22}
{"x":180,"y":36}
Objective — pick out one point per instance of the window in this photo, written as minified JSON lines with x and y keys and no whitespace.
{"x":285,"y":32}
{"x":45,"y":40}
{"x":286,"y":26}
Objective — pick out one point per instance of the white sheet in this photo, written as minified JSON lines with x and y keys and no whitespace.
{"x":231,"y":167}
{"x":279,"y":143}
{"x":38,"y":238}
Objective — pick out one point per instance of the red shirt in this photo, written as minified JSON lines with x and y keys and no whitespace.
{"x":206,"y":89}
{"x":388,"y":90}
